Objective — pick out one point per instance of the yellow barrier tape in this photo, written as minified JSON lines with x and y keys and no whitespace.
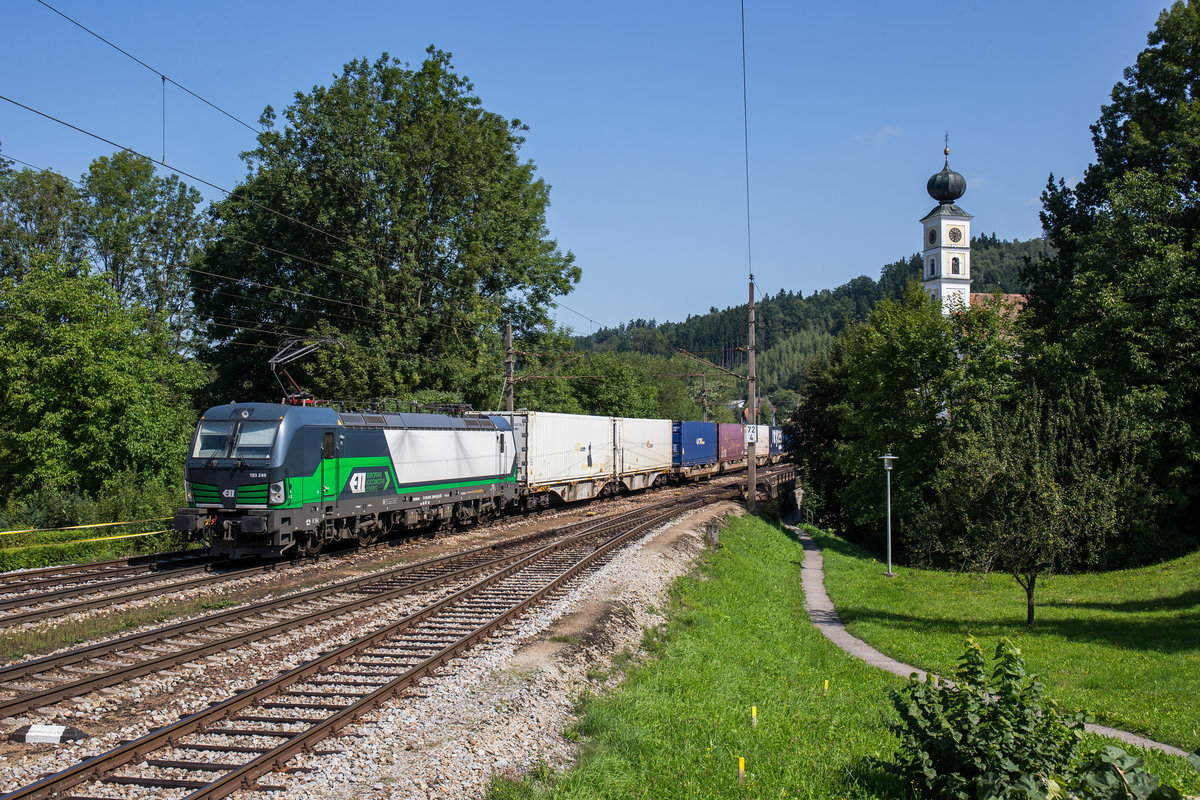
{"x":82,"y":527}
{"x":81,"y":541}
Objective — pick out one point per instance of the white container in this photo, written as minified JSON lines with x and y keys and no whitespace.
{"x":571,"y":455}
{"x":644,"y":451}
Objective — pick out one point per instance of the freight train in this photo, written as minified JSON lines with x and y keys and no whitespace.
{"x":265,"y":479}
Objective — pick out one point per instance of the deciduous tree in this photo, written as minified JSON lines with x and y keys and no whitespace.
{"x":85,"y":392}
{"x":393,"y":208}
{"x":1121,"y":296}
{"x":1036,"y":485}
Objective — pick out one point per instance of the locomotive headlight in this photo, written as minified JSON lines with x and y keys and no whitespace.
{"x":188,"y":494}
{"x":277,"y":493}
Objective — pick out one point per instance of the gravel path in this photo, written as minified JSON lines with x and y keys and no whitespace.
{"x":825,"y":617}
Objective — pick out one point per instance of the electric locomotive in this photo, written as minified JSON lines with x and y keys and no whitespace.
{"x":267,"y":479}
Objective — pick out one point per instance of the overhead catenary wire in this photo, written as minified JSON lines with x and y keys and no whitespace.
{"x":165,"y":78}
{"x":210,"y":184}
{"x":249,"y":243}
{"x":311,"y":262}
{"x":746,"y":143}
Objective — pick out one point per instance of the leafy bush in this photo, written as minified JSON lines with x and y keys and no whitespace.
{"x":1107,"y":774}
{"x":125,"y":496}
{"x":958,"y":740}
{"x":1003,"y":739}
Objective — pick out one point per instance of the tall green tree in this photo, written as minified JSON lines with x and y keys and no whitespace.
{"x":41,"y":214}
{"x":395,"y":210}
{"x":85,"y":392}
{"x":1121,"y":295}
{"x":614,"y":386}
{"x":905,"y":381}
{"x":145,"y":233}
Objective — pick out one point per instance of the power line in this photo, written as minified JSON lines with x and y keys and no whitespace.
{"x":159,"y":73}
{"x":746,"y":143}
{"x":254,"y":203}
{"x":573,"y":311}
{"x":283,"y":253}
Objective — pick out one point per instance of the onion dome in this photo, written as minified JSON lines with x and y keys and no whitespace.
{"x":947,"y":185}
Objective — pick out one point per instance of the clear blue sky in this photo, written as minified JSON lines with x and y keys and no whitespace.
{"x":635,"y":115}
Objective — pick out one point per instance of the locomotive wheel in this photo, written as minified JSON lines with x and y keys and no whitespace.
{"x":365,"y":539}
{"x":313,"y":544}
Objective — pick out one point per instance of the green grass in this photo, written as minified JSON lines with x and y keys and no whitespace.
{"x":737,"y":638}
{"x":1123,"y":646}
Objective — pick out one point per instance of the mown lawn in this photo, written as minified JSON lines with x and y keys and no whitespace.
{"x":1123,"y":646}
{"x":738,"y":638}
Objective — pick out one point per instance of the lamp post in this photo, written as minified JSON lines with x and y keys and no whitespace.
{"x":887,"y":459}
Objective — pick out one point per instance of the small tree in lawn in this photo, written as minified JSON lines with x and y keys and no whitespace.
{"x":1039,"y":484}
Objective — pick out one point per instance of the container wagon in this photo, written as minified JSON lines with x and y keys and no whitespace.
{"x":568,"y":456}
{"x":733,"y":445}
{"x":643,"y":452}
{"x":761,"y":435}
{"x":695,"y":450}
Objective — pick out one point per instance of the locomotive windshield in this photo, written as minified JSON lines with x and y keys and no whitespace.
{"x":228,"y":439}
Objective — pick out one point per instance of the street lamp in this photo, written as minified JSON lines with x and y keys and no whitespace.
{"x":887,"y":459}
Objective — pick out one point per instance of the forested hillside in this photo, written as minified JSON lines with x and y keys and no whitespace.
{"x":792,"y":328}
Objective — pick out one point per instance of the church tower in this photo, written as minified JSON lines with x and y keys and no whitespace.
{"x":946,"y":273}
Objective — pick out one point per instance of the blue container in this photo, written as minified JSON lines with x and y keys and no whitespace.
{"x":776,"y":440}
{"x":693,"y":443}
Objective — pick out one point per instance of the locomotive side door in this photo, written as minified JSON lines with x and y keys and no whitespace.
{"x":330,"y":485}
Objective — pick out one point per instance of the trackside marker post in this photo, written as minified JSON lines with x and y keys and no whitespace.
{"x":754,"y":716}
{"x":741,"y":770}
{"x":46,"y":734}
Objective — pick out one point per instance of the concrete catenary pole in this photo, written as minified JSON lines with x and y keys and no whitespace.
{"x":751,"y":464}
{"x":508,"y":368}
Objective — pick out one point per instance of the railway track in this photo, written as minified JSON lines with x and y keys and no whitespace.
{"x":15,"y":585}
{"x":107,"y":593}
{"x":79,"y":588}
{"x":51,"y":679}
{"x":234,"y":743}
{"x":58,"y":677}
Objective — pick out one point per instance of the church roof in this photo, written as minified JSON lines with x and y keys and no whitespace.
{"x":946,"y":210}
{"x":1009,"y":305}
{"x":946,"y":186}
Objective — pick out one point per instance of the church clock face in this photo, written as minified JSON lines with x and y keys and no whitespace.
{"x":956,"y":235}
{"x":933,"y":235}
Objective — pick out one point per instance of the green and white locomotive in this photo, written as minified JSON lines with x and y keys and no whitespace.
{"x":268,"y":479}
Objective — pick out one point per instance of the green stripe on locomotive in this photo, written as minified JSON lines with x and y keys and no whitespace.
{"x":378,"y":480}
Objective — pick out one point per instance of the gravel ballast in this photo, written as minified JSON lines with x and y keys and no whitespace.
{"x":501,"y":710}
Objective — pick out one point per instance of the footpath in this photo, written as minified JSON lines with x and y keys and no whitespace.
{"x":825,"y":617}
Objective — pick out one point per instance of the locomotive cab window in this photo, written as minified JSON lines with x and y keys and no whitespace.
{"x":327,"y":446}
{"x":252,"y":439}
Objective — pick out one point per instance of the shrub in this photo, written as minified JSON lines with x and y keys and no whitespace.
{"x":956,"y":740}
{"x":1003,"y":739}
{"x":1106,"y":774}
